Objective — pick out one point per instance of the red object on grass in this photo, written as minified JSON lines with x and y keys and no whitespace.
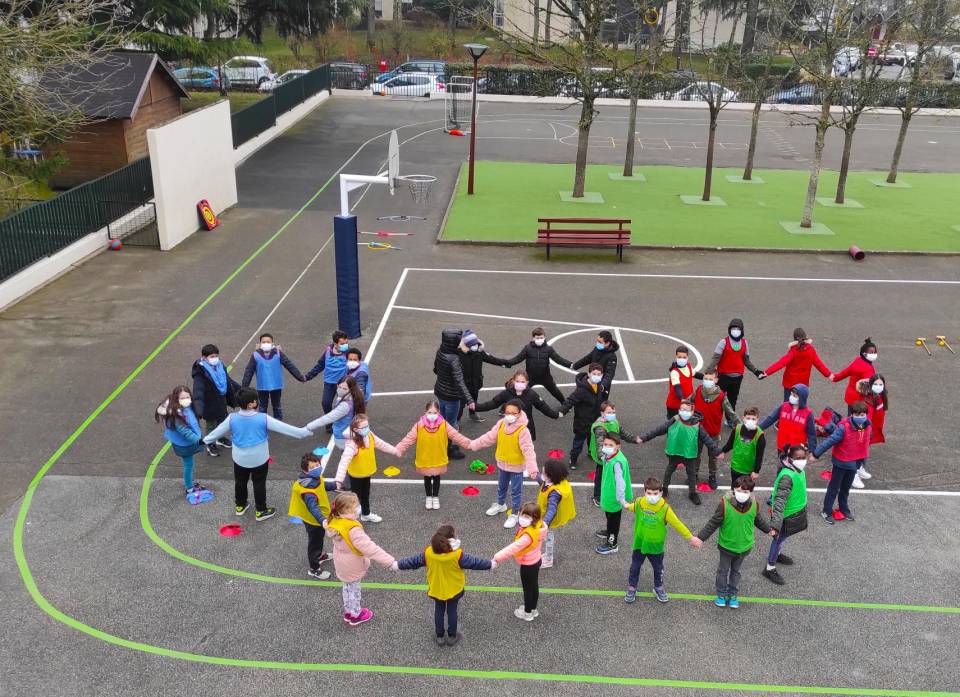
{"x":592,"y":475}
{"x":556,"y":453}
{"x":470,"y":491}
{"x":230,"y":530}
{"x":837,"y":515}
{"x":826,"y":474}
{"x":456,"y":132}
{"x":704,"y":488}
{"x":491,"y":469}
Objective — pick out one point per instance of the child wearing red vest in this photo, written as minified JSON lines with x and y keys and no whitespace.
{"x":680,"y":384}
{"x":525,"y":549}
{"x":731,"y":358}
{"x":796,"y":424}
{"x":711,"y":403}
{"x":798,"y":363}
{"x":874,"y":393}
{"x":850,"y":441}
{"x":860,"y":369}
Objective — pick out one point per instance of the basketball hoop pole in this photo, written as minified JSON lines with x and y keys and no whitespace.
{"x":349,"y":182}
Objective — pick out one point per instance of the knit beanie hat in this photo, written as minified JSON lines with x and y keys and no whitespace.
{"x":470,"y":338}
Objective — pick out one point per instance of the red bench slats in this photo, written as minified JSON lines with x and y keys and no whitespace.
{"x":585,"y":237}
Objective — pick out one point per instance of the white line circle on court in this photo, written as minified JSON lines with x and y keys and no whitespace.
{"x":594,"y":330}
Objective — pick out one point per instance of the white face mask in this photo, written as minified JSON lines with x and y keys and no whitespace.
{"x":186,"y":402}
{"x":681,"y":362}
{"x":432,"y":416}
{"x":343,"y":390}
{"x":608,"y":450}
{"x":213,"y":360}
{"x":454,"y":543}
{"x":475,"y":347}
{"x":546,"y":481}
{"x":736,"y":333}
{"x":686,"y":415}
{"x":794,"y":400}
{"x":524,"y":521}
{"x":709,"y":384}
{"x":539,"y":342}
{"x":742,"y":496}
{"x":519,"y":386}
{"x":266,"y":346}
{"x":359,"y":511}
{"x":800,"y":464}
{"x":871,"y":357}
{"x":652,"y":499}
{"x":510,"y":418}
{"x":353,"y":365}
{"x":595,"y":379}
{"x":877,"y":388}
{"x":750,"y":424}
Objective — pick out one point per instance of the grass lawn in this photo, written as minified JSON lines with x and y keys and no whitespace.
{"x":511,"y":196}
{"x":238,"y":100}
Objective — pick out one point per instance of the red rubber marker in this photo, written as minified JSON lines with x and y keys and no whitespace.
{"x":558,"y":454}
{"x":825,"y":475}
{"x":592,"y":475}
{"x":470,"y":491}
{"x":837,"y":515}
{"x":490,"y":469}
{"x":230,"y":530}
{"x":703,"y":487}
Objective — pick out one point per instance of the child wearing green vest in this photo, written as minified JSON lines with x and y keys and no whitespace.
{"x":615,"y":490}
{"x":788,"y":503}
{"x":684,"y":434}
{"x":736,"y":516}
{"x":607,"y":423}
{"x":653,"y":514}
{"x":747,"y":443}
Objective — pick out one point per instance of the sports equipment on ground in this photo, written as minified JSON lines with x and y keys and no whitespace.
{"x":457,"y":104}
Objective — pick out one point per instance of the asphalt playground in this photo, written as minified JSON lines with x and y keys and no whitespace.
{"x":111,"y":583}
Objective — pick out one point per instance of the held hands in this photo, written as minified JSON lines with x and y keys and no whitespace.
{"x":754,"y":476}
{"x":772,"y":533}
{"x":721,"y":457}
{"x":696,"y":542}
{"x":638,"y":440}
{"x":394,"y":566}
{"x":472,"y":406}
{"x":761,"y":375}
{"x":493,"y":564}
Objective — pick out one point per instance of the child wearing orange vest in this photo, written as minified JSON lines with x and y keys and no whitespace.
{"x":525,"y":549}
{"x":359,"y":460}
{"x":353,"y":551}
{"x":555,"y":499}
{"x":445,"y":562}
{"x":432,"y":435}
{"x":516,"y":457}
{"x":310,"y":505}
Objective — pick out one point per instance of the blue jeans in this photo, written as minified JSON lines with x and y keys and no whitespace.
{"x":656,"y":561}
{"x":515,"y":480}
{"x":188,"y":471}
{"x":577,"y":447}
{"x":329,"y":392}
{"x":839,"y":487}
{"x":448,"y":608}
{"x":450,"y":410}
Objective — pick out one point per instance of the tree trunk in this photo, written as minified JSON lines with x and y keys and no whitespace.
{"x":848,"y":132}
{"x":898,"y":149}
{"x":711,"y":142}
{"x":452,"y":25}
{"x":583,"y":143}
{"x":754,"y":129}
{"x":546,"y":22}
{"x":681,"y":32}
{"x":749,"y":27}
{"x":371,"y":24}
{"x":631,"y":129}
{"x":536,"y":23}
{"x":397,"y":15}
{"x":822,"y":124}
{"x":210,"y":31}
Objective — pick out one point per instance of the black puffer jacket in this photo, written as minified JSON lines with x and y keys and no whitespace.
{"x":537,"y":360}
{"x":607,"y":357}
{"x":472,"y":364}
{"x":209,"y":404}
{"x":585,"y":404}
{"x":450,"y":385}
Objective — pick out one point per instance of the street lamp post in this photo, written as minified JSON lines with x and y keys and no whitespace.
{"x":475,"y":51}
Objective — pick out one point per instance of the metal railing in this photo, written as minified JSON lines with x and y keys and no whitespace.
{"x":248,"y":123}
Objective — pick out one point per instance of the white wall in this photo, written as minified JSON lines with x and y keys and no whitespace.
{"x":192,"y":158}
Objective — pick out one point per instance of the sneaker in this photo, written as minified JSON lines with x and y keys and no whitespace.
{"x":428,"y":503}
{"x":720,"y":601}
{"x":511,"y":521}
{"x":454,"y":639}
{"x":365,"y":615}
{"x":733,"y":602}
{"x":601,"y":533}
{"x":863,"y":474}
{"x":857,"y":482}
{"x":712,"y":483}
{"x":436,"y":503}
{"x":773,"y":575}
{"x":264,"y":515}
{"x":631,"y":595}
{"x":521,"y":614}
{"x":573,"y":465}
{"x":785,"y":560}
{"x":240,"y":510}
{"x":371,"y":518}
{"x":497,"y":509}
{"x":695,"y":497}
{"x":596,"y":502}
{"x":456,"y":454}
{"x":318,"y":574}
{"x":661,"y":594}
{"x":607,"y":548}
{"x":475,"y":417}
{"x":441,"y":640}
{"x":323,"y":559}
{"x":849,"y":516}
{"x":212,"y":449}
{"x":227,"y":443}
{"x":827,"y":517}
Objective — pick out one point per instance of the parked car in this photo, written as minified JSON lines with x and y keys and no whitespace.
{"x":801,"y":94}
{"x":410,"y":85}
{"x":847,"y":60}
{"x":430,"y":67}
{"x":201,"y":78}
{"x":249,"y":71}
{"x":349,"y":76}
{"x":699,"y":91}
{"x":270,"y":85}
{"x":895,"y":54}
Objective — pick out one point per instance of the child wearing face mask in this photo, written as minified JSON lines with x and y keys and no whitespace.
{"x":472,"y":357}
{"x":347,"y":403}
{"x":861,"y":368}
{"x":353,"y":551}
{"x":607,"y":423}
{"x":653,"y":514}
{"x":309,"y":503}
{"x":711,"y":404}
{"x":615,"y":489}
{"x":604,"y":354}
{"x":182,"y":429}
{"x":680,"y":384}
{"x":788,"y":504}
{"x":746,"y":445}
{"x":333,"y":364}
{"x":518,"y":387}
{"x":359,"y":460}
{"x":585,"y":401}
{"x":358,"y":369}
{"x":445,"y":561}
{"x":515,"y":455}
{"x":684,"y":434}
{"x":850,"y":441}
{"x":536,"y":356}
{"x":525,"y":550}
{"x":736,"y":516}
{"x":875,"y":396}
{"x":213,"y":391}
{"x":432,"y":436}
{"x":555,"y":499}
{"x":267,"y":363}
{"x":796,"y":424}
{"x":798,"y":363}
{"x":730,"y":359}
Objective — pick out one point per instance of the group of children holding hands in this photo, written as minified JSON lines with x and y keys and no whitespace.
{"x":695,"y":415}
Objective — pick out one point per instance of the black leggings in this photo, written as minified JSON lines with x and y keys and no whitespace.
{"x":315,"y":535}
{"x":548,"y":384}
{"x":613,"y":526}
{"x":448,"y":607}
{"x":731,"y":385}
{"x":530,"y":580}
{"x":361,"y":487}
{"x":431,"y":485}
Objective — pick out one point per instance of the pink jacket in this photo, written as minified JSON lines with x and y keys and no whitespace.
{"x":348,"y":566}
{"x":350,"y":451}
{"x":531,"y":557}
{"x":526,"y":446}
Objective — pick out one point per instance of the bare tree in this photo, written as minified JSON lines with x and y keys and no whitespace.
{"x":371,"y":24}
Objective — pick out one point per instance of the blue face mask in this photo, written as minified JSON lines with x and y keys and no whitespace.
{"x":343,"y":348}
{"x":600,"y":346}
{"x":859,"y":419}
{"x":363,"y":431}
{"x":610,"y":417}
{"x":595,"y":379}
{"x":315,"y":472}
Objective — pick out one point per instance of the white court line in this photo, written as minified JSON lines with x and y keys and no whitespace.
{"x":479,"y":314}
{"x":623,"y":355}
{"x":790,"y":279}
{"x":678,"y":487}
{"x":407,"y":393}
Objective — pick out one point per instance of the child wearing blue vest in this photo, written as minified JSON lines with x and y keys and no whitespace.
{"x":182,"y":428}
{"x":267,"y":363}
{"x":251,"y":450}
{"x":358,"y":369}
{"x":333,"y":364}
{"x":213,"y":392}
{"x":347,"y":403}
{"x":445,"y":562}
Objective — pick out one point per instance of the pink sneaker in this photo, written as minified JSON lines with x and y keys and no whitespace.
{"x":364,"y":616}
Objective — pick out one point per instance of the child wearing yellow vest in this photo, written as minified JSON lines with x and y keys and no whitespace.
{"x":432,"y":436}
{"x":445,"y":562}
{"x":359,"y":460}
{"x":515,"y":455}
{"x":525,"y":549}
{"x":555,"y":499}
{"x":310,"y":505}
{"x":353,"y":551}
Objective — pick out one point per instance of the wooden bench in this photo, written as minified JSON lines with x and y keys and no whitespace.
{"x":584,"y":232}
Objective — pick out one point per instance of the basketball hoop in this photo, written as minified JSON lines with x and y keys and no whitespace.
{"x":420,"y":185}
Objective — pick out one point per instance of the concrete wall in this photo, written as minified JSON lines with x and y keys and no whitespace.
{"x":192,"y":158}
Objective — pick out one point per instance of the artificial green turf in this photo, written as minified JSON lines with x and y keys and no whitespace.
{"x":511,"y":196}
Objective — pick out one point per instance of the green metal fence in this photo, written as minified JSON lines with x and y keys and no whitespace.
{"x":255,"y":119}
{"x":47,"y":227}
{"x":248,"y":123}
